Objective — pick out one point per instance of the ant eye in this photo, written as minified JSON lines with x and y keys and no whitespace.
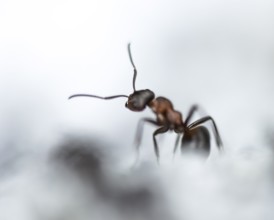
{"x":126,"y":104}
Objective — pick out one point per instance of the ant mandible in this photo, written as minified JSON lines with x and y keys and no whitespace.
{"x":167,"y":118}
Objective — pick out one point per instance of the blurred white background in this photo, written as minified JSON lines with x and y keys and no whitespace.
{"x":218,"y":54}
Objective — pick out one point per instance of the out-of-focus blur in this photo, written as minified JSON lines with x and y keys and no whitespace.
{"x":75,"y":159}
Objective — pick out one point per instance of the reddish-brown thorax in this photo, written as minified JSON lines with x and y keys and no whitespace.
{"x":166,"y":115}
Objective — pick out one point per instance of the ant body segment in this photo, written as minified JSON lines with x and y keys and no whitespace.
{"x":167,"y":118}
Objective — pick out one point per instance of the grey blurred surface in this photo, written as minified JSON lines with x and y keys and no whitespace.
{"x":218,"y":54}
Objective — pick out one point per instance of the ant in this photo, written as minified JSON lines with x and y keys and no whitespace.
{"x":167,"y":118}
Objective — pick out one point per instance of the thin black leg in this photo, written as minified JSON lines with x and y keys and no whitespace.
{"x":158,"y":131}
{"x":140,"y":128}
{"x":193,"y":109}
{"x":176,"y":143}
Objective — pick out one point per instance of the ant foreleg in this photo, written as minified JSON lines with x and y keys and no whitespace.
{"x":139,"y":131}
{"x":216,"y":132}
{"x":158,"y":131}
{"x":191,"y":112}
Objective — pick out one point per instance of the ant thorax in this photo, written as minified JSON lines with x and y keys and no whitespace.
{"x":160,"y":105}
{"x":176,"y":121}
{"x":166,"y":115}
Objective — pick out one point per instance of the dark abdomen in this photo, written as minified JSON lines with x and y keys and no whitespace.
{"x":197,"y":140}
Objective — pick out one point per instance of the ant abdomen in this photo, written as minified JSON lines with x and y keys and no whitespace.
{"x":196,"y":140}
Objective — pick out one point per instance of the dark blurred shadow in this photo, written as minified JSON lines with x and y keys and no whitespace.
{"x":135,"y":195}
{"x":82,"y":157}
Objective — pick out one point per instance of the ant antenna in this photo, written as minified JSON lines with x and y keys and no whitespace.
{"x":135,"y":70}
{"x":115,"y":96}
{"x":98,"y":97}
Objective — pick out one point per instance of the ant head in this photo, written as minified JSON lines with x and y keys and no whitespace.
{"x":138,"y":100}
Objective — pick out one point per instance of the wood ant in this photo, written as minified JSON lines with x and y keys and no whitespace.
{"x":194,"y":136}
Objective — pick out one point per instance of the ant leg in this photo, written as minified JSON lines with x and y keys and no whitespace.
{"x":191,"y":112}
{"x":176,"y":144}
{"x":158,"y":131}
{"x":216,"y":132}
{"x":139,"y":133}
{"x":140,"y":128}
